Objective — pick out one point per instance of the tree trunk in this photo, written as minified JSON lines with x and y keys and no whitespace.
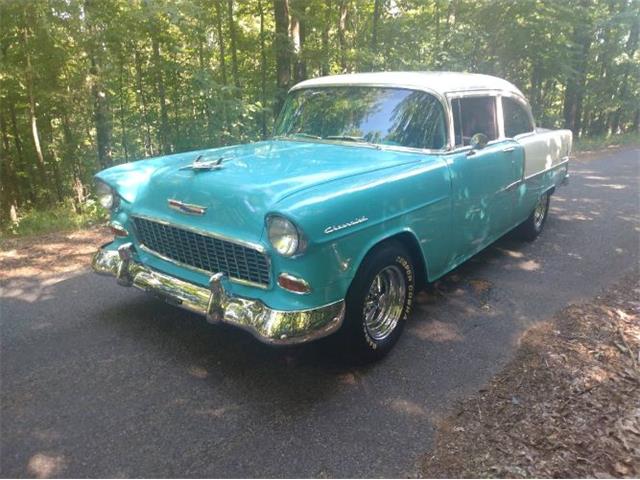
{"x":574,"y":90}
{"x":101,"y":114}
{"x":28,"y":166}
{"x":536,"y":90}
{"x":163,"y":134}
{"x":33,"y":118}
{"x":296,"y":44}
{"x":631,"y":47}
{"x":324,"y":69}
{"x":452,"y":11}
{"x":55,"y":166}
{"x":9,"y":186}
{"x":342,"y":26}
{"x":123,"y":128}
{"x":223,"y":65}
{"x":79,"y":190}
{"x":377,"y":9}
{"x":101,"y":118}
{"x":148,"y":146}
{"x":297,"y":34}
{"x":234,"y":51}
{"x":282,"y":52}
{"x":263,"y":73}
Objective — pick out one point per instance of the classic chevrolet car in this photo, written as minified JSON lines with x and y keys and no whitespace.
{"x":372,"y":185}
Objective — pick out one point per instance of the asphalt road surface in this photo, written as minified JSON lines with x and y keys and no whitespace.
{"x":100,"y":380}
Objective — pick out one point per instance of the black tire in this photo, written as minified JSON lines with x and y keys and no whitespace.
{"x":390,"y":259}
{"x":532,"y":226}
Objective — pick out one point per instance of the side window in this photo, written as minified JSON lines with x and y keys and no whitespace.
{"x":473,"y":115}
{"x":516,"y":118}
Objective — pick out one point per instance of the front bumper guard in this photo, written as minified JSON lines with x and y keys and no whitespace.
{"x":268,"y":325}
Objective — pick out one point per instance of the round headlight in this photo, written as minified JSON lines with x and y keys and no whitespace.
{"x":283,"y":236}
{"x":105,"y":195}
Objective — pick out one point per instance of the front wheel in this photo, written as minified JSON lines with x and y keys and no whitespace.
{"x":378,"y":302}
{"x":532,"y":226}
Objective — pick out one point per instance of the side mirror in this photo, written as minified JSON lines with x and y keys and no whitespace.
{"x":479,"y":141}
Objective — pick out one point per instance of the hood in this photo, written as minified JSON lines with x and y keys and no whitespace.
{"x":252,"y":179}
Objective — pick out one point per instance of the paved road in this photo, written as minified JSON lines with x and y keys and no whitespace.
{"x":103,"y":381}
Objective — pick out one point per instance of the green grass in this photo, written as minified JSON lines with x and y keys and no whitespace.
{"x":59,"y":218}
{"x":598,"y":143}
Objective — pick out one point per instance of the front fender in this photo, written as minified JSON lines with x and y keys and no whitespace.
{"x":345,"y":219}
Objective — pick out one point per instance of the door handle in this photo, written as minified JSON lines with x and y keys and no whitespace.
{"x":508,"y":149}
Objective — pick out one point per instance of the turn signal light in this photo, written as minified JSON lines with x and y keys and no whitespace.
{"x":118,"y":230}
{"x":293,"y":284}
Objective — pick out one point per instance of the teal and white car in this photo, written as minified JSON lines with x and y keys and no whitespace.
{"x":372,"y":185}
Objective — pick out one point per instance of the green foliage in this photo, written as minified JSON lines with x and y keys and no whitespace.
{"x":85,"y":84}
{"x":60,"y":217}
{"x":587,"y":144}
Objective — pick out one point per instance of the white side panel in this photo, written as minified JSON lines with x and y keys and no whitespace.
{"x":544,"y":150}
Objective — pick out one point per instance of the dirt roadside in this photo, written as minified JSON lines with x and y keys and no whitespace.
{"x":50,"y":255}
{"x":566,"y":406}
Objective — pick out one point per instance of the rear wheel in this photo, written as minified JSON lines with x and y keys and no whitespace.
{"x":378,"y":302}
{"x":532,"y":227}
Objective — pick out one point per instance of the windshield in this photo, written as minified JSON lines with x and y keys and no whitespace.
{"x":379,"y":115}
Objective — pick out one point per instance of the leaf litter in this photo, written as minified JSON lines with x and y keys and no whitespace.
{"x":567,"y":405}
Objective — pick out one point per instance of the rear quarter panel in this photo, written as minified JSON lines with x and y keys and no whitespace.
{"x":546,"y":155}
{"x":545,"y":149}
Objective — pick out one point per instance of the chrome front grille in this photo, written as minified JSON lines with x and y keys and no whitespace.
{"x":203,"y":252}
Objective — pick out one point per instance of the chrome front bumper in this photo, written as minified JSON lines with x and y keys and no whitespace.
{"x":268,"y":325}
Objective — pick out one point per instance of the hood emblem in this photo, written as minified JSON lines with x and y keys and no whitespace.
{"x":335,"y":228}
{"x":186,"y":207}
{"x":200,"y":163}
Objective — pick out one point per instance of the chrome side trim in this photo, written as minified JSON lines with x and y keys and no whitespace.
{"x":240,"y":281}
{"x":565,"y":161}
{"x":256,"y":246}
{"x":276,"y":327}
{"x":511,"y":186}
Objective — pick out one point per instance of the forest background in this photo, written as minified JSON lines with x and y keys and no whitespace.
{"x":88,"y":84}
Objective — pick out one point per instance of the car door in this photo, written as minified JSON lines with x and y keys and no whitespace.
{"x":482,"y":179}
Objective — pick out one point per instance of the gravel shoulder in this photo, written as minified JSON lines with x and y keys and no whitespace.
{"x":567,"y":405}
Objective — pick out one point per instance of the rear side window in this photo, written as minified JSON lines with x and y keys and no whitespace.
{"x":516,"y":118}
{"x":473,"y":115}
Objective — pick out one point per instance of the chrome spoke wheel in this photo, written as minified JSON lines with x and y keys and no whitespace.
{"x":540,"y":212}
{"x":384,"y":302}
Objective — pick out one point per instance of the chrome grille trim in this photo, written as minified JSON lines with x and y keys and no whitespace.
{"x":243,"y":262}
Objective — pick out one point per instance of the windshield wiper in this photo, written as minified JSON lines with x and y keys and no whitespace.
{"x":351,"y":138}
{"x":305,"y":135}
{"x":347,"y":138}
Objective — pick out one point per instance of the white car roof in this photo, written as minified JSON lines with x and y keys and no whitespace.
{"x":437,"y":82}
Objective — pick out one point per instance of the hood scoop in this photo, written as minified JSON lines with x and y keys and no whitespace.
{"x":205,"y":162}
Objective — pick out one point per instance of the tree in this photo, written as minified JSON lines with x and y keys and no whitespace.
{"x":282,"y":50}
{"x":86,"y":84}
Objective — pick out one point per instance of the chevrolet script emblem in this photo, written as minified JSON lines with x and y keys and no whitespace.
{"x":186,"y":207}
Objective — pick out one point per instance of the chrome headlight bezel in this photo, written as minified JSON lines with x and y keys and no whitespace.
{"x":107,"y":196}
{"x":285,"y":236}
